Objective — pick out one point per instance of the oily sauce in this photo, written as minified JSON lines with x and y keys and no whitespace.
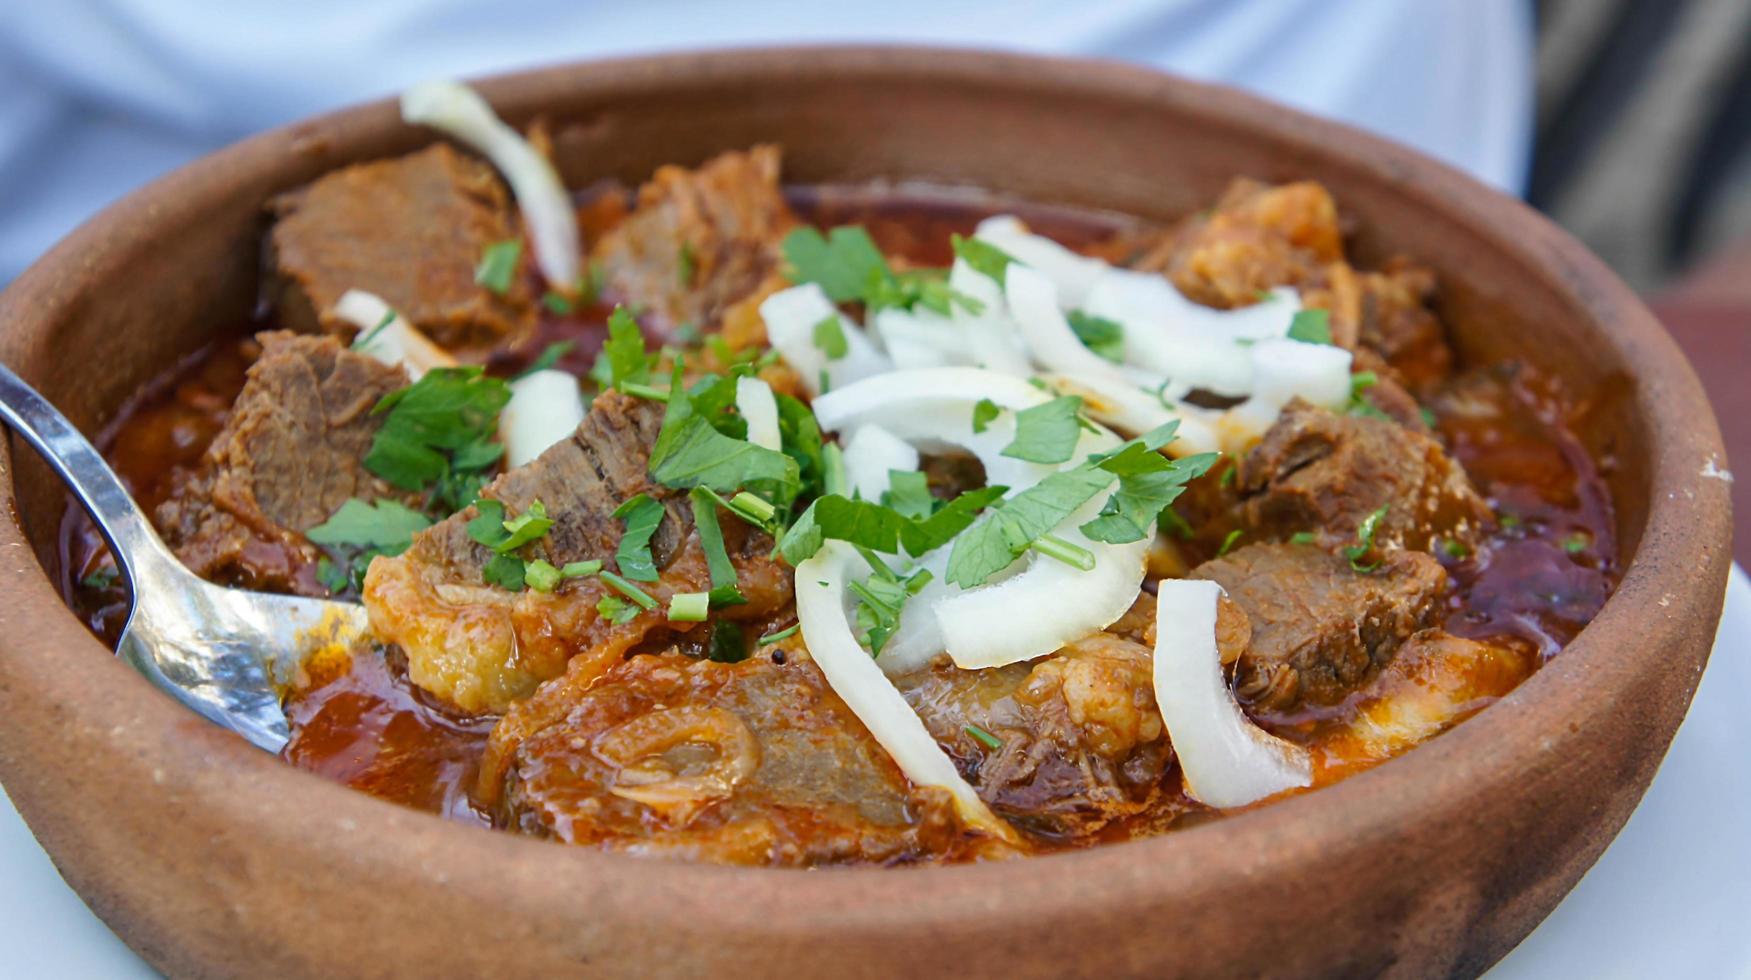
{"x":1540,"y":576}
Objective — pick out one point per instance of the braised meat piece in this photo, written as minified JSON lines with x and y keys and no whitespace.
{"x":411,"y":230}
{"x":1318,"y":472}
{"x":757,"y":762}
{"x":1083,"y":744}
{"x":1319,"y":627}
{"x":698,"y":241}
{"x":479,"y":646}
{"x":1257,"y":237}
{"x":1387,"y":313}
{"x":290,"y":454}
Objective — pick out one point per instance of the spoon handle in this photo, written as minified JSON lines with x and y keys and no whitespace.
{"x":130,"y":535}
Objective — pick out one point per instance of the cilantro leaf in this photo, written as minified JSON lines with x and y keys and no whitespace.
{"x":728,"y":644}
{"x":991,"y":545}
{"x":1047,"y":433}
{"x":641,"y":515}
{"x":1365,"y":541}
{"x":859,"y":522}
{"x":1148,"y":483}
{"x":616,"y":610}
{"x":623,"y":359}
{"x":800,"y":436}
{"x":531,"y":525}
{"x":829,"y":338}
{"x":985,"y":411}
{"x":506,"y":572}
{"x":691,"y":452}
{"x":920,"y":537}
{"x":1311,"y":326}
{"x":983,"y":256}
{"x":882,"y":598}
{"x":439,"y":432}
{"x":333,"y":577}
{"x":909,"y":493}
{"x":556,"y":303}
{"x":386,"y":527}
{"x":498,"y":265}
{"x":1104,"y":337}
{"x":846,"y":263}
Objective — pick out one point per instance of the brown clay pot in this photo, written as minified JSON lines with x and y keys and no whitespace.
{"x":213,"y":859}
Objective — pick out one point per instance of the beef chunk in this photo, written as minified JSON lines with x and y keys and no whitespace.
{"x":1320,"y":628}
{"x":1083,"y":743}
{"x":411,"y":230}
{"x":1386,"y":313}
{"x":1257,"y":237}
{"x":751,"y":763}
{"x":290,"y":454}
{"x":698,"y":241}
{"x":479,"y":646}
{"x":1324,"y":473}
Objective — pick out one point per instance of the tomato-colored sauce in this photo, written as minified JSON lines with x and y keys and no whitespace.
{"x":1532,"y":585}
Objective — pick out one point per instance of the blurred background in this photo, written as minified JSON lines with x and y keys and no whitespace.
{"x":1627,"y":121}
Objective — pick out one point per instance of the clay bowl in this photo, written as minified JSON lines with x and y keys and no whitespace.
{"x":212,"y":859}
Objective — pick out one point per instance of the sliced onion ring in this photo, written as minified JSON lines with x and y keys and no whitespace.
{"x":1227,"y":760}
{"x":460,"y":112}
{"x":394,"y":342}
{"x":546,"y":407}
{"x":760,"y":410}
{"x":820,"y":608}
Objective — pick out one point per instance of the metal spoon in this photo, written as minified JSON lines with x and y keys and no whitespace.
{"x":226,"y":653}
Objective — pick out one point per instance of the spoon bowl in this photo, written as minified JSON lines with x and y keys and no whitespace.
{"x":227,"y":654}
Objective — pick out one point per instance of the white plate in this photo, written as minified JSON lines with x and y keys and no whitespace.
{"x":1671,"y":897}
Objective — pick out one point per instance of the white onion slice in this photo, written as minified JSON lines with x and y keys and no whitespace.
{"x":1033,"y":302}
{"x":760,"y":410}
{"x":395,"y":342}
{"x":1047,"y":605}
{"x":920,"y":338}
{"x":990,"y":337}
{"x":1072,"y":274}
{"x":1282,"y":371}
{"x":546,"y":407}
{"x":870,"y":454}
{"x":854,"y":676}
{"x":1225,"y":758}
{"x":791,"y":316}
{"x":460,"y":112}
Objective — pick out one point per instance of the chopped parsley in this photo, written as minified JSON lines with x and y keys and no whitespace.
{"x":1228,"y":542}
{"x":829,"y":337}
{"x":364,"y":339}
{"x":641,"y":516}
{"x":508,"y":572}
{"x":985,"y":411}
{"x":1365,"y":541}
{"x":541,"y":576}
{"x":1454,"y":548}
{"x":556,"y":303}
{"x":909,"y":494}
{"x":616,"y":610}
{"x":881,"y":597}
{"x":359,"y":532}
{"x":984,"y":737}
{"x":440,"y":433}
{"x":498,"y":265}
{"x":623,"y":360}
{"x":691,"y":452}
{"x":1047,"y":433}
{"x":1102,"y":336}
{"x":984,"y":257}
{"x":848,"y":267}
{"x":1303,"y":537}
{"x":1577,"y":542}
{"x":1311,"y":326}
{"x":1360,"y":382}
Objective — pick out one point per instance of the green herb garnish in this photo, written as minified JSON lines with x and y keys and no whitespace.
{"x":1365,"y":541}
{"x":1577,"y":542}
{"x":548,"y":357}
{"x":1311,"y":326}
{"x":364,"y":339}
{"x":985,"y":411}
{"x":335,"y":578}
{"x":616,"y":610}
{"x":1229,"y":541}
{"x":498,"y":264}
{"x":829,"y":338}
{"x":623,"y":359}
{"x":627,"y":589}
{"x":689,"y":607}
{"x":691,"y":452}
{"x":984,"y":257}
{"x":909,"y":494}
{"x":848,"y":267}
{"x":1303,"y":537}
{"x":1454,"y":548}
{"x":984,"y":737}
{"x":440,"y":433}
{"x":780,"y":636}
{"x":641,"y":516}
{"x":361,"y":532}
{"x":1100,"y":335}
{"x":1047,"y":433}
{"x":727,"y":644}
{"x":505,"y":571}
{"x":556,"y":303}
{"x":725,"y":589}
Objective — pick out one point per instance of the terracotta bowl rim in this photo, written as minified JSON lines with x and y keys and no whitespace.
{"x":295,"y":811}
